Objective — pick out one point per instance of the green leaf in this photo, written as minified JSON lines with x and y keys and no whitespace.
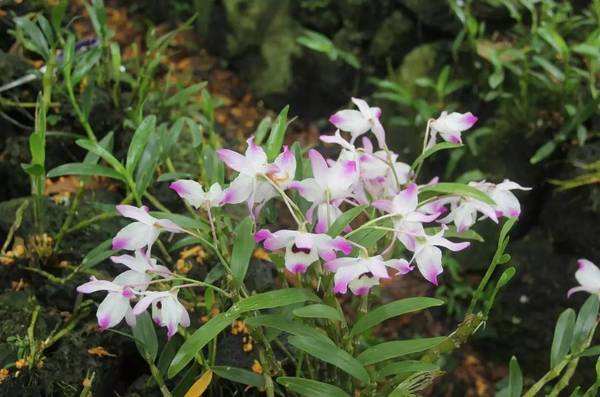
{"x":563,"y":334}
{"x":84,"y":169}
{"x":261,"y":130}
{"x":103,"y":153}
{"x":543,"y":151}
{"x":310,"y":388}
{"x":243,"y":247}
{"x":239,"y":375}
{"x":393,"y":309}
{"x":344,"y":220}
{"x":139,"y":141}
{"x":172,"y":176}
{"x":106,"y":142}
{"x":281,"y":323}
{"x":84,"y":63}
{"x":145,"y":337}
{"x":98,"y":254}
{"x":586,"y":319}
{"x":405,"y":367}
{"x":590,"y":352}
{"x":277,"y":298}
{"x":199,"y":339}
{"x":318,"y":310}
{"x":515,"y":379}
{"x":182,"y":96}
{"x":398,"y":348}
{"x":168,"y":352}
{"x":432,"y":150}
{"x":506,"y":276}
{"x":275,"y":141}
{"x":35,"y":40}
{"x":368,"y":237}
{"x":331,"y":354}
{"x":144,"y":174}
{"x":457,"y":189}
{"x":33,"y":169}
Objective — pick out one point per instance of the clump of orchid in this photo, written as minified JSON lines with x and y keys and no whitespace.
{"x":359,"y":218}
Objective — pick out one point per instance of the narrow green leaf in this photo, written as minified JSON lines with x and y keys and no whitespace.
{"x":144,"y":173}
{"x":368,"y":237}
{"x":586,"y":319}
{"x":457,"y":189}
{"x":98,"y":254}
{"x":405,"y":367}
{"x":34,"y":40}
{"x":84,"y":63}
{"x":591,"y":351}
{"x":277,"y":298}
{"x":433,"y":150}
{"x":102,"y":153}
{"x":344,"y":220}
{"x":318,"y":310}
{"x":107,"y":142}
{"x":310,"y":388}
{"x":168,"y":352}
{"x":398,"y":348}
{"x":139,"y":141}
{"x":563,"y":334}
{"x":281,"y":323}
{"x":199,"y":339}
{"x":275,"y":141}
{"x":239,"y":375}
{"x":261,"y":130}
{"x":543,"y":151}
{"x":243,"y":247}
{"x":145,"y":337}
{"x":515,"y":379}
{"x":331,"y":354}
{"x":84,"y":169}
{"x":393,"y":309}
{"x":172,"y":176}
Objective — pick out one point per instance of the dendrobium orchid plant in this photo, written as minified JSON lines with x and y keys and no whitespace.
{"x":359,"y":218}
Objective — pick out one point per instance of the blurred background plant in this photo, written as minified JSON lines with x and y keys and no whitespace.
{"x":150,"y":72}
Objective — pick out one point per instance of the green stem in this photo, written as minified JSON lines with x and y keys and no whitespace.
{"x":159,"y":379}
{"x":462,"y":333}
{"x":69,"y":219}
{"x":78,"y":112}
{"x":31,"y":337}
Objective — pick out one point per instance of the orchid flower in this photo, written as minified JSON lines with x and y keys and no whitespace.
{"x":193,"y":193}
{"x":328,"y":187}
{"x":348,"y":270}
{"x":167,"y":311}
{"x":115,"y":305}
{"x":507,"y":204}
{"x":142,"y":263}
{"x":407,"y":219}
{"x":588,"y":277}
{"x":463,"y":212}
{"x":250,"y":185}
{"x":450,"y":126}
{"x":301,"y":248}
{"x":143,"y":232}
{"x":358,"y":122}
{"x":428,"y":256}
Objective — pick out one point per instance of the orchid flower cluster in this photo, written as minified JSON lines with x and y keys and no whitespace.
{"x":364,"y":176}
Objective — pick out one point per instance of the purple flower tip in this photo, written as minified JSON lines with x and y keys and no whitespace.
{"x":118,"y":243}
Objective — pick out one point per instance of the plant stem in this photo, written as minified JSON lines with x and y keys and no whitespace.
{"x":69,"y":219}
{"x":31,"y":337}
{"x":462,"y":333}
{"x":159,"y":379}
